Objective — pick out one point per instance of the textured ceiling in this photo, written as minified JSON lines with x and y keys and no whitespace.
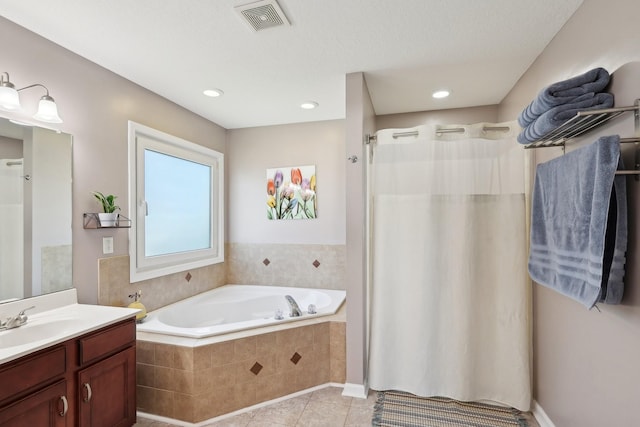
{"x":477,"y":49}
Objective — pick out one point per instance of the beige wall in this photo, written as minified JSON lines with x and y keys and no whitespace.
{"x":587,"y":363}
{"x":360,"y":122}
{"x":250,"y":152}
{"x":487,"y":113}
{"x":95,"y":105}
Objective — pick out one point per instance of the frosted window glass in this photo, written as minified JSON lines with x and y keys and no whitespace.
{"x":178,"y":197}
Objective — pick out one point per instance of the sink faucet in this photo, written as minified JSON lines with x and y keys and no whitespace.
{"x":14,"y":322}
{"x":295,"y":310}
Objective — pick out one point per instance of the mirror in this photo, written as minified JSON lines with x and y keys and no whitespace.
{"x":35,"y":211}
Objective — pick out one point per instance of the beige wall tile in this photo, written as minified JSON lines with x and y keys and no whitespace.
{"x":222,"y":353}
{"x":163,"y":404}
{"x":183,"y":381}
{"x":145,"y":375}
{"x":266,"y":343}
{"x":164,"y":355}
{"x":244,"y":349}
{"x":145,"y":399}
{"x":145,"y":352}
{"x":201,"y":358}
{"x":183,"y":358}
{"x":223,"y":375}
{"x":203,"y":380}
{"x":290,"y":265}
{"x":269,"y":387}
{"x":164,"y":378}
{"x":183,"y":407}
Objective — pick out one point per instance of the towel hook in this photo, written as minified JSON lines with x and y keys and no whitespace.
{"x":353,"y":158}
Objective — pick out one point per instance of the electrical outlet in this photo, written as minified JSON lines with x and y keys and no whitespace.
{"x":107,"y":245}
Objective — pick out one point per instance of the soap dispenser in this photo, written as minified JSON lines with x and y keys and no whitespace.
{"x":137,"y":304}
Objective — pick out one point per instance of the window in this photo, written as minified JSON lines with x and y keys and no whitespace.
{"x":175,"y":202}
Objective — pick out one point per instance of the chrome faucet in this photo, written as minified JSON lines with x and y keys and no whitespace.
{"x":295,"y":310}
{"x":14,"y":322}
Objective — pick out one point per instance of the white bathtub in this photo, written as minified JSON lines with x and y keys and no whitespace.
{"x":232,"y":308}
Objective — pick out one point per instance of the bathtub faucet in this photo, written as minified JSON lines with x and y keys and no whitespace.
{"x":295,"y":310}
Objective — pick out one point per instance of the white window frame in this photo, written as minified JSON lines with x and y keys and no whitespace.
{"x":142,"y":267}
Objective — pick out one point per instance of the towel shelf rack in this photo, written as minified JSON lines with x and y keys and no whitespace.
{"x":582,"y":122}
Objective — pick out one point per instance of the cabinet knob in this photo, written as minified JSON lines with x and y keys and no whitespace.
{"x":65,"y":406}
{"x":87,"y":387}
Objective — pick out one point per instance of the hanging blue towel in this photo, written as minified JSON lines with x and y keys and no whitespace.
{"x":571,"y":208}
{"x":556,"y":116}
{"x":564,"y":92}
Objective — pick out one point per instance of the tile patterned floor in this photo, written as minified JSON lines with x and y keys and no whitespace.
{"x":323,"y":408}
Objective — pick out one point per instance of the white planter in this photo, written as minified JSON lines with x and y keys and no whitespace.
{"x":108,"y":219}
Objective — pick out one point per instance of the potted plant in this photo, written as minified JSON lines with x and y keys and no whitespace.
{"x":109,"y":216}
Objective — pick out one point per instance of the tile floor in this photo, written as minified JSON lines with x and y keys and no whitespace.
{"x":324,"y":408}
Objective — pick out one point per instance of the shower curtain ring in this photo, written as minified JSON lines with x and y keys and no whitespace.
{"x":353,"y":158}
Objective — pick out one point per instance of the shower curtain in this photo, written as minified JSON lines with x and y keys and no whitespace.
{"x":11,"y":229}
{"x":450,"y":293}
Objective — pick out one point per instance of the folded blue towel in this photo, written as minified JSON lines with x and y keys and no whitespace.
{"x":593,"y":81}
{"x":569,"y":216}
{"x":559,"y":114}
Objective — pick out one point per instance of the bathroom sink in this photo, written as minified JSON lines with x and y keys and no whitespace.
{"x":33,"y":332}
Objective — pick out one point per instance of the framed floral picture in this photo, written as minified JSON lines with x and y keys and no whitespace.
{"x":291,"y":193}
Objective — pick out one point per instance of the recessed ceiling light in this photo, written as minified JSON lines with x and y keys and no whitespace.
{"x":440,"y":94}
{"x":214,"y":93}
{"x":309,"y":105}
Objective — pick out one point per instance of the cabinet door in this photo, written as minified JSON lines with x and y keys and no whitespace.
{"x":46,"y":408}
{"x":106,"y":391}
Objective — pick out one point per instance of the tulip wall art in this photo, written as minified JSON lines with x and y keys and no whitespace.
{"x":291,"y":193}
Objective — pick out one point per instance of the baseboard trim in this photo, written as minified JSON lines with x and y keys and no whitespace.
{"x":355,"y":390}
{"x":541,"y":417}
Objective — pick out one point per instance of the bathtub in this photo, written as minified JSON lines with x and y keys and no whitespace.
{"x":233,"y":308}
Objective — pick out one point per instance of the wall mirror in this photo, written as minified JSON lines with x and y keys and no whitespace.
{"x":35,"y":211}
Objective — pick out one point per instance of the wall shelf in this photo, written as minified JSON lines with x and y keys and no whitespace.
{"x":92,"y":222}
{"x":583,"y":122}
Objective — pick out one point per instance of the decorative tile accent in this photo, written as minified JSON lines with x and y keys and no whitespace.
{"x":295,"y":358}
{"x":242,"y":261}
{"x":256,"y":368}
{"x":188,"y":277}
{"x":316,"y":263}
{"x":266,"y":261}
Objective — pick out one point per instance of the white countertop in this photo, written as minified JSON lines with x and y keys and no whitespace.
{"x":56,"y":318}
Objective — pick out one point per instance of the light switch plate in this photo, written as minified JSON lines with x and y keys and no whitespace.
{"x":107,"y":245}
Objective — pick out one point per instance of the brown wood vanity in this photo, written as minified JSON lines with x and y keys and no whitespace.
{"x":89,"y":380}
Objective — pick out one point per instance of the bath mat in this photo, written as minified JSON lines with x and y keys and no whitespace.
{"x":394,"y":408}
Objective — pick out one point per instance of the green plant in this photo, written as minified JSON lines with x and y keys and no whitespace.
{"x":107,"y":202}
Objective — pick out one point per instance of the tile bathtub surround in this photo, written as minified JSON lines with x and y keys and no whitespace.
{"x":307,"y":266}
{"x":194,"y":384}
{"x":114,"y":287}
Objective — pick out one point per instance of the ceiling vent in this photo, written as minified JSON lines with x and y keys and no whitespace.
{"x":262,"y":15}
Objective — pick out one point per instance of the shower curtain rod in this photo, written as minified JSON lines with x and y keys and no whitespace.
{"x":397,"y":135}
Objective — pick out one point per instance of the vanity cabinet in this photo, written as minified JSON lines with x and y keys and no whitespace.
{"x":85,"y":381}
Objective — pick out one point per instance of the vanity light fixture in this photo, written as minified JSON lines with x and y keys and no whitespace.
{"x":10,"y":100}
{"x":213,"y":93}
{"x":309,"y":105}
{"x":439,"y":94}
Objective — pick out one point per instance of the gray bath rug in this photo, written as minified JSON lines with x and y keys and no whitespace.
{"x":394,"y":408}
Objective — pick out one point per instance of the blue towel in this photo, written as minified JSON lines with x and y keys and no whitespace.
{"x":557,"y":115}
{"x":564,"y":92}
{"x":571,"y":208}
